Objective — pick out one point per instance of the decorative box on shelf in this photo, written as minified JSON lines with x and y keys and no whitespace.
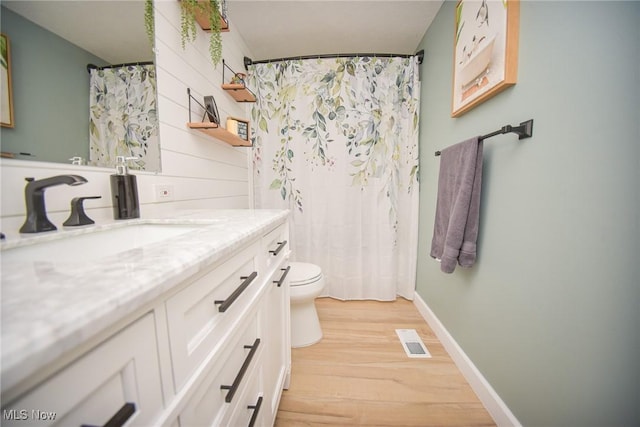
{"x":239,"y":127}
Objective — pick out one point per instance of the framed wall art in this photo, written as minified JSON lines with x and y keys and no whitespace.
{"x":485,"y":51}
{"x":6,"y":101}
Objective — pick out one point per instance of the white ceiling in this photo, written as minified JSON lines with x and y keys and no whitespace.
{"x":275,"y":29}
{"x":114,"y":30}
{"x":111,"y":30}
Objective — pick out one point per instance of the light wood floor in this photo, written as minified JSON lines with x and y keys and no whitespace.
{"x":359,"y":373}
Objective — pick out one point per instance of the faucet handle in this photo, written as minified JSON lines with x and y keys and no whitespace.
{"x":76,"y":160}
{"x":78,"y":216}
{"x":29,"y":179}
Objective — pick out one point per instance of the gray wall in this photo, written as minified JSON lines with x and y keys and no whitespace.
{"x":550,"y":312}
{"x":50,"y":93}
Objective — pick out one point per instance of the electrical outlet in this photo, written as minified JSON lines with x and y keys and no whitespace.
{"x":164,"y":193}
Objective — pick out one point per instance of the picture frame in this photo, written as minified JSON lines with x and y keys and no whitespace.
{"x":6,"y":90}
{"x":239,"y":127}
{"x":211,"y":109}
{"x":485,"y":59}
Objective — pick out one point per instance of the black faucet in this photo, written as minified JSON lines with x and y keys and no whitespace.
{"x":37,"y":220}
{"x":78,"y":216}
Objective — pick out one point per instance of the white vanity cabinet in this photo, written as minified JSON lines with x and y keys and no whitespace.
{"x":212,"y":350}
{"x":249,"y":363}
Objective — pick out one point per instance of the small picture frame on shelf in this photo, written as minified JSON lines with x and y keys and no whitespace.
{"x":211,"y":109}
{"x":239,"y":127}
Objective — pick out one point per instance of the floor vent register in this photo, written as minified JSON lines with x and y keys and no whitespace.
{"x":412,"y":344}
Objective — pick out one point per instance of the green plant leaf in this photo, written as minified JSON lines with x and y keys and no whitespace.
{"x":263,"y":124}
{"x":459,"y":25}
{"x":275,"y":184}
{"x":149,"y":21}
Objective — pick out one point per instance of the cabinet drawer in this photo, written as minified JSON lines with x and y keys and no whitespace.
{"x":251,"y":406}
{"x":275,"y":246}
{"x":92,"y":389}
{"x":198,"y":318}
{"x":225,"y":383}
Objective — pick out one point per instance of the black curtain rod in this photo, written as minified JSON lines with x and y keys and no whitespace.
{"x":248,"y":61}
{"x":125,"y":64}
{"x":525,"y":130}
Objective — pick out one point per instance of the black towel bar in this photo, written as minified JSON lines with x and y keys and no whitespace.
{"x":525,"y":130}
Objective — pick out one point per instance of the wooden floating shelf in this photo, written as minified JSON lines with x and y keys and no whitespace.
{"x":204,"y":23}
{"x":239,"y":92}
{"x":216,"y":131}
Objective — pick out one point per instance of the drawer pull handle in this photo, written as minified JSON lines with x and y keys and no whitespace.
{"x":256,"y":409}
{"x":281,"y":246}
{"x":236,"y":383}
{"x":284,"y":276}
{"x":225,"y":304}
{"x":121,"y":417}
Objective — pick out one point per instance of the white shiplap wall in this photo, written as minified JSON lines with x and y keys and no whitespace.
{"x":204,"y":172}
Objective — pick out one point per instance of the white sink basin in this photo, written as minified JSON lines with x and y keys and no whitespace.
{"x":95,"y":244}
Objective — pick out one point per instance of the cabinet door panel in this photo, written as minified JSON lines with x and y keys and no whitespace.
{"x":277,"y":361}
{"x":123,"y":369}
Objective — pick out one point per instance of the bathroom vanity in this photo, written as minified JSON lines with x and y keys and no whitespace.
{"x":177,"y":322}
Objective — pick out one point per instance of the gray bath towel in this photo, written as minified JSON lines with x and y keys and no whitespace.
{"x":458,"y":207}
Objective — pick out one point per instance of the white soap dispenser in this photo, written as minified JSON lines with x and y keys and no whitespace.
{"x":124,"y":191}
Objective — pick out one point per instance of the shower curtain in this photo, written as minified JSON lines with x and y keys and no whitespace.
{"x":336,"y":142}
{"x":123,"y":117}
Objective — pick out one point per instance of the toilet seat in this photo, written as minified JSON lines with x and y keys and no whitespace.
{"x":304,"y":273}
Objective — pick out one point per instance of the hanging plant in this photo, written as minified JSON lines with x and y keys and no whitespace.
{"x":191,"y":10}
{"x":149,"y":23}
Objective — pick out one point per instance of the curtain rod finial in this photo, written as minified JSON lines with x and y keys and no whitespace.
{"x":247,"y":61}
{"x":420,"y":55}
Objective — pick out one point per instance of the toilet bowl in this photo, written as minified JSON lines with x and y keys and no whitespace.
{"x":306,"y":283}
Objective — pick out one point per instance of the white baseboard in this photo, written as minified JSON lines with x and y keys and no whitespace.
{"x":487,"y":395}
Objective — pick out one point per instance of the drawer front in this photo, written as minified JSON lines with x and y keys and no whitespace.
{"x":275,"y":246}
{"x":225,"y":383}
{"x":251,"y":407}
{"x":200,"y":314}
{"x":91,"y":390}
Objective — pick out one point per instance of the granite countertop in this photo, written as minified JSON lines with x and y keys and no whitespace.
{"x":48,"y":308}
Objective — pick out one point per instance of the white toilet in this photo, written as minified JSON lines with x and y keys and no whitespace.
{"x":306,"y":283}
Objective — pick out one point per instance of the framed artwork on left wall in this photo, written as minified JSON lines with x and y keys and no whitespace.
{"x":6,"y":103}
{"x":485,"y":51}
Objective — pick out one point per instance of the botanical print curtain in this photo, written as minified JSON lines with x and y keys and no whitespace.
{"x":336,"y":141}
{"x":123,"y":116}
